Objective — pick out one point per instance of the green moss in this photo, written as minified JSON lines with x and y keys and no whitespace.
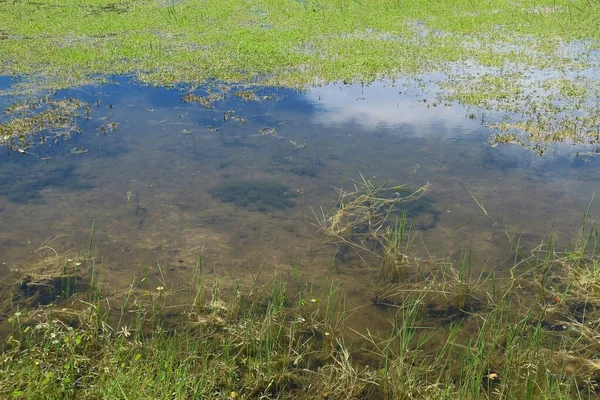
{"x":260,"y":196}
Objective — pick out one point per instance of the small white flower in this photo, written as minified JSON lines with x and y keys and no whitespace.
{"x":125,"y":332}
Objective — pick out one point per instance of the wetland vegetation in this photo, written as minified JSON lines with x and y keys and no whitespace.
{"x":51,"y":118}
{"x":533,"y":61}
{"x":531,"y":334}
{"x":448,"y":326}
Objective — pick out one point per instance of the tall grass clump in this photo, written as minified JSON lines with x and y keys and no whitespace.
{"x":153,"y":342}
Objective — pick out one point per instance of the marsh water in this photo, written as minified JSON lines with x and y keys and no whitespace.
{"x":163,"y":184}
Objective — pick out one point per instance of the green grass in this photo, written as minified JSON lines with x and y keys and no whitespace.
{"x":299,"y":43}
{"x":292,"y":43}
{"x":530,"y":334}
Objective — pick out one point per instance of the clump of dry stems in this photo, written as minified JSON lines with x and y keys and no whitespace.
{"x":365,"y":209}
{"x":370,"y":217}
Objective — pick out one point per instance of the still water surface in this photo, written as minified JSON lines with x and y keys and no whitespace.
{"x":148,"y":186}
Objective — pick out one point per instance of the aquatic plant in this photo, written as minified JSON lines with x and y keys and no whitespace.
{"x":53,"y":119}
{"x":255,"y":195}
{"x":364,"y":210}
{"x":365,"y":204}
{"x":205,"y":101}
{"x":24,"y":183}
{"x":247,"y":95}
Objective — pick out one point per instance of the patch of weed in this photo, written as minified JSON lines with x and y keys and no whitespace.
{"x":25,"y":184}
{"x":255,"y":195}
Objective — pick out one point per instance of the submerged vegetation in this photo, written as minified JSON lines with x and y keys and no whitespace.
{"x":255,"y":195}
{"x":538,"y":110}
{"x":25,"y":185}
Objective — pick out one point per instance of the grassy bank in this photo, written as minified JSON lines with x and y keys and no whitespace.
{"x":290,"y":43}
{"x":491,"y":53}
{"x":530,"y":334}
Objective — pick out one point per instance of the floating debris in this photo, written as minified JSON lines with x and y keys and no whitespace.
{"x":80,"y":150}
{"x":298,"y":145}
{"x":268,"y":131}
{"x":246,"y":95}
{"x":205,"y":101}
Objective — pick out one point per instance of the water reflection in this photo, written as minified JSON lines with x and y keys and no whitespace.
{"x":389,"y":105}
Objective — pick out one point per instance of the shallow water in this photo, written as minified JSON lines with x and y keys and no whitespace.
{"x":148,"y":187}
